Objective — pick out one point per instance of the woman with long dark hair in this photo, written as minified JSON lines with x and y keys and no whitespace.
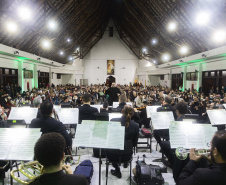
{"x":131,"y":138}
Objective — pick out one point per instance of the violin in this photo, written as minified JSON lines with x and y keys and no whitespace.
{"x":54,"y":111}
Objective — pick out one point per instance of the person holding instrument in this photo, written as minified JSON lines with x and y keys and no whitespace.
{"x":131,"y":138}
{"x":49,"y":151}
{"x":49,"y":124}
{"x":214,"y":175}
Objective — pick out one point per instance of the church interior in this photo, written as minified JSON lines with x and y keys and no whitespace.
{"x":135,"y":87}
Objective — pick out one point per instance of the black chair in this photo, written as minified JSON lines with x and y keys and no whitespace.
{"x":128,"y":149}
{"x":4,"y":167}
{"x":103,"y":116}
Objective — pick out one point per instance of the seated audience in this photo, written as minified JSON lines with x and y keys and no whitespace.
{"x":49,"y":151}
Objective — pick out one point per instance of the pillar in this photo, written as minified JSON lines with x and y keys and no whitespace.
{"x":50,"y":75}
{"x":35,"y":69}
{"x":199,"y":82}
{"x":170,"y":79}
{"x":184,"y":78}
{"x":20,"y":75}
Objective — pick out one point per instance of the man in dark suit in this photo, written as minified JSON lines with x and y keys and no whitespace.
{"x":49,"y":124}
{"x":86,"y":112}
{"x":113,"y":93}
{"x":214,"y":175}
{"x":166,"y":107}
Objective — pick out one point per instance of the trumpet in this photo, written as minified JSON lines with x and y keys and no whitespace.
{"x":182,"y":153}
{"x":33,"y":169}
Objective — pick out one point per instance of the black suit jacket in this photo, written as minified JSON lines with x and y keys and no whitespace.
{"x":168,"y":108}
{"x":48,"y":124}
{"x":132,"y":132}
{"x":60,"y":178}
{"x":86,"y":112}
{"x":191,"y":175}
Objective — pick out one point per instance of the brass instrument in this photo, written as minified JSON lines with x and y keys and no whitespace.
{"x":182,"y":153}
{"x":33,"y":169}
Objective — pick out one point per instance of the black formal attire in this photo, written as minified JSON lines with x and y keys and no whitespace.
{"x":143,"y":118}
{"x":39,"y":113}
{"x":164,"y":132}
{"x":86,"y":112}
{"x":113,"y":94}
{"x":60,"y":178}
{"x":102,"y":115}
{"x":167,"y":150}
{"x":192,"y":175}
{"x":121,"y":105}
{"x":131,"y":138}
{"x":49,"y":124}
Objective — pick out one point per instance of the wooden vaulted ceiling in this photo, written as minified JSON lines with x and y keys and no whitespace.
{"x":137,"y":22}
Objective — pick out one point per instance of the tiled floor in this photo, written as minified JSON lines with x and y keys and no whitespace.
{"x":87,"y":154}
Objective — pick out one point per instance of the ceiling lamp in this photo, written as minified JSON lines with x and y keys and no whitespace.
{"x":203,"y":18}
{"x":219,"y":36}
{"x":166,"y":57}
{"x":61,"y":53}
{"x":52,"y":25}
{"x":144,"y":50}
{"x":46,"y":44}
{"x":183,"y":50}
{"x":11,"y":27}
{"x":172,"y":26}
{"x":154,"y":41}
{"x":24,"y":13}
{"x":68,"y":40}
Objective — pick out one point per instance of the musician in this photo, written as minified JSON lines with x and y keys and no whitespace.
{"x":49,"y":151}
{"x":214,"y":175}
{"x":143,"y":116}
{"x":181,"y":110}
{"x":49,"y":124}
{"x":131,"y":137}
{"x":37,"y":102}
{"x":166,"y":107}
{"x":86,"y":112}
{"x":122,"y":102}
{"x":113,"y":93}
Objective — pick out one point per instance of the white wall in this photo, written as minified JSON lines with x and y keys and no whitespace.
{"x":166,"y":81}
{"x":110,"y":48}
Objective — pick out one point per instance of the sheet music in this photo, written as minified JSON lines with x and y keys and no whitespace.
{"x":161,"y":120}
{"x":68,"y":115}
{"x":19,"y":144}
{"x":116,"y":104}
{"x":97,"y":106}
{"x":114,"y":115}
{"x":23,"y":113}
{"x":188,"y":135}
{"x":150,"y":109}
{"x":100,"y":134}
{"x":217,"y":117}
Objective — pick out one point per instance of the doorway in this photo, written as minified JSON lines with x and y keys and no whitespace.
{"x":110,"y":80}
